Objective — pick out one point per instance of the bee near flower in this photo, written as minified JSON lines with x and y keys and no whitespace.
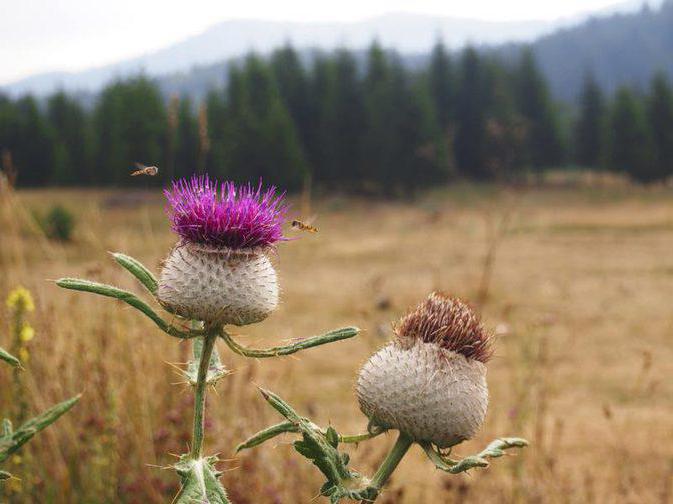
{"x":220,"y":271}
{"x":430,"y":382}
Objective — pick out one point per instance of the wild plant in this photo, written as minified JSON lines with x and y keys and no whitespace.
{"x":20,"y":302}
{"x":218,"y":274}
{"x":429,"y":383}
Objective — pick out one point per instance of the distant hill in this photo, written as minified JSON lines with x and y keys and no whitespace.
{"x":617,"y":49}
{"x":621,"y":45}
{"x":408,"y":33}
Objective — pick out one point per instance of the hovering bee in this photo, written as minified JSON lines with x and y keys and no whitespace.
{"x":141,"y":169}
{"x":302,"y":226}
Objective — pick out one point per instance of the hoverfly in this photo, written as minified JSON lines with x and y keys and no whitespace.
{"x":141,"y":169}
{"x":303,"y":226}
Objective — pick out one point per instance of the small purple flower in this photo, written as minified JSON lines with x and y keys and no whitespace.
{"x":236,"y":217}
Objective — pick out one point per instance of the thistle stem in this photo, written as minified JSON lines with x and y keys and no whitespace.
{"x":389,"y":465}
{"x":200,"y":395}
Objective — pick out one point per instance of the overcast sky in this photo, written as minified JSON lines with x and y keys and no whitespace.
{"x":44,"y":35}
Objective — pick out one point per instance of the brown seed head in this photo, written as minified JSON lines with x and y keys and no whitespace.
{"x":447,"y":322}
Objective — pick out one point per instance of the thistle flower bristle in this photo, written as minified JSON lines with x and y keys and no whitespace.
{"x":236,"y":217}
{"x":449,"y":323}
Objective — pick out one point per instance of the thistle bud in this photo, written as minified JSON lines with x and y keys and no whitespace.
{"x":220,"y":271}
{"x":430,"y":381}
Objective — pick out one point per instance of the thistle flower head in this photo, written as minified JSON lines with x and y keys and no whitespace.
{"x":430,"y":381}
{"x":234,"y":217}
{"x":448,"y":322}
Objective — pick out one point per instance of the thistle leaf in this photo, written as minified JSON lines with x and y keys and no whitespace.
{"x":4,"y":475}
{"x":494,"y":449}
{"x":319,"y":448}
{"x":200,"y":482}
{"x":11,"y":441}
{"x":10,"y":359}
{"x":128,"y":298}
{"x":266,"y":434}
{"x":314,"y":341}
{"x":138,"y":270}
{"x":216,"y":369}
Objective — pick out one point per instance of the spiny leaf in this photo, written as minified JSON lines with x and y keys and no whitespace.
{"x":128,"y":298}
{"x":138,"y":270}
{"x":319,"y":448}
{"x":266,"y":434}
{"x":200,"y":482}
{"x":9,"y":444}
{"x":494,"y":449}
{"x":314,"y":341}
{"x":216,"y":369}
{"x":10,"y":359}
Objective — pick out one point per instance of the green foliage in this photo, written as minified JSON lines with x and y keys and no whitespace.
{"x":200,"y":482}
{"x":660,"y":118}
{"x":495,"y":449}
{"x":58,"y":224}
{"x":320,"y":447}
{"x":11,"y":440}
{"x":374,"y":124}
{"x":630,"y":141}
{"x":590,"y":126}
{"x":9,"y":358}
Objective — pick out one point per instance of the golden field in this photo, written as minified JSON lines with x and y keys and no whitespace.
{"x":579,"y":293}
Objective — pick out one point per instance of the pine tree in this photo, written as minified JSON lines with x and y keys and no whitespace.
{"x":544,"y":145}
{"x":34,"y":151}
{"x":293,"y":86}
{"x":630,"y":138}
{"x":187,"y":147}
{"x":471,"y":116}
{"x":381,"y":163}
{"x":660,"y":117}
{"x":69,"y":124}
{"x":442,"y":85}
{"x":263,"y":141}
{"x":590,"y":126}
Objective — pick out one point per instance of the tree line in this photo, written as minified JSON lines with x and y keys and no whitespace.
{"x":346,"y":122}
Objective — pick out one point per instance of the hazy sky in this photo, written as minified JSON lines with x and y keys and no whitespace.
{"x":45,"y":35}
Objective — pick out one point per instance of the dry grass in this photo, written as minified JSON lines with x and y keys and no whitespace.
{"x":580,"y":294}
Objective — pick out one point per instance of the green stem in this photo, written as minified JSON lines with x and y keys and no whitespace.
{"x":389,"y":465}
{"x":200,"y":395}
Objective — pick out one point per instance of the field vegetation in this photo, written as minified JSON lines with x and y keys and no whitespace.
{"x":576,"y":284}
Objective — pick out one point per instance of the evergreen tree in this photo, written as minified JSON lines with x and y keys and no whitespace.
{"x":293,"y":85}
{"x":660,"y":116}
{"x":263,"y":139}
{"x":381,"y":118}
{"x":471,"y":116}
{"x":629,"y":138}
{"x":70,"y":128}
{"x":346,"y":119}
{"x":218,"y":133}
{"x":187,"y":147}
{"x":442,"y":85}
{"x":590,"y":126}
{"x":34,"y":151}
{"x":544,"y":145}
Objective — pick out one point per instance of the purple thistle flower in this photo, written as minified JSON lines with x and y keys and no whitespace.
{"x":236,"y":217}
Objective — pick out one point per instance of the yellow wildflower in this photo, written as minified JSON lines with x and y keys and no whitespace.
{"x":21,"y":299}
{"x":27,"y":333}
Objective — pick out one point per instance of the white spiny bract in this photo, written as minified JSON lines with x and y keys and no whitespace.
{"x":219,"y":285}
{"x":430,"y":382}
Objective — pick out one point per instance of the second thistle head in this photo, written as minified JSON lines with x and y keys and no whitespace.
{"x":219,"y":271}
{"x":430,"y":382}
